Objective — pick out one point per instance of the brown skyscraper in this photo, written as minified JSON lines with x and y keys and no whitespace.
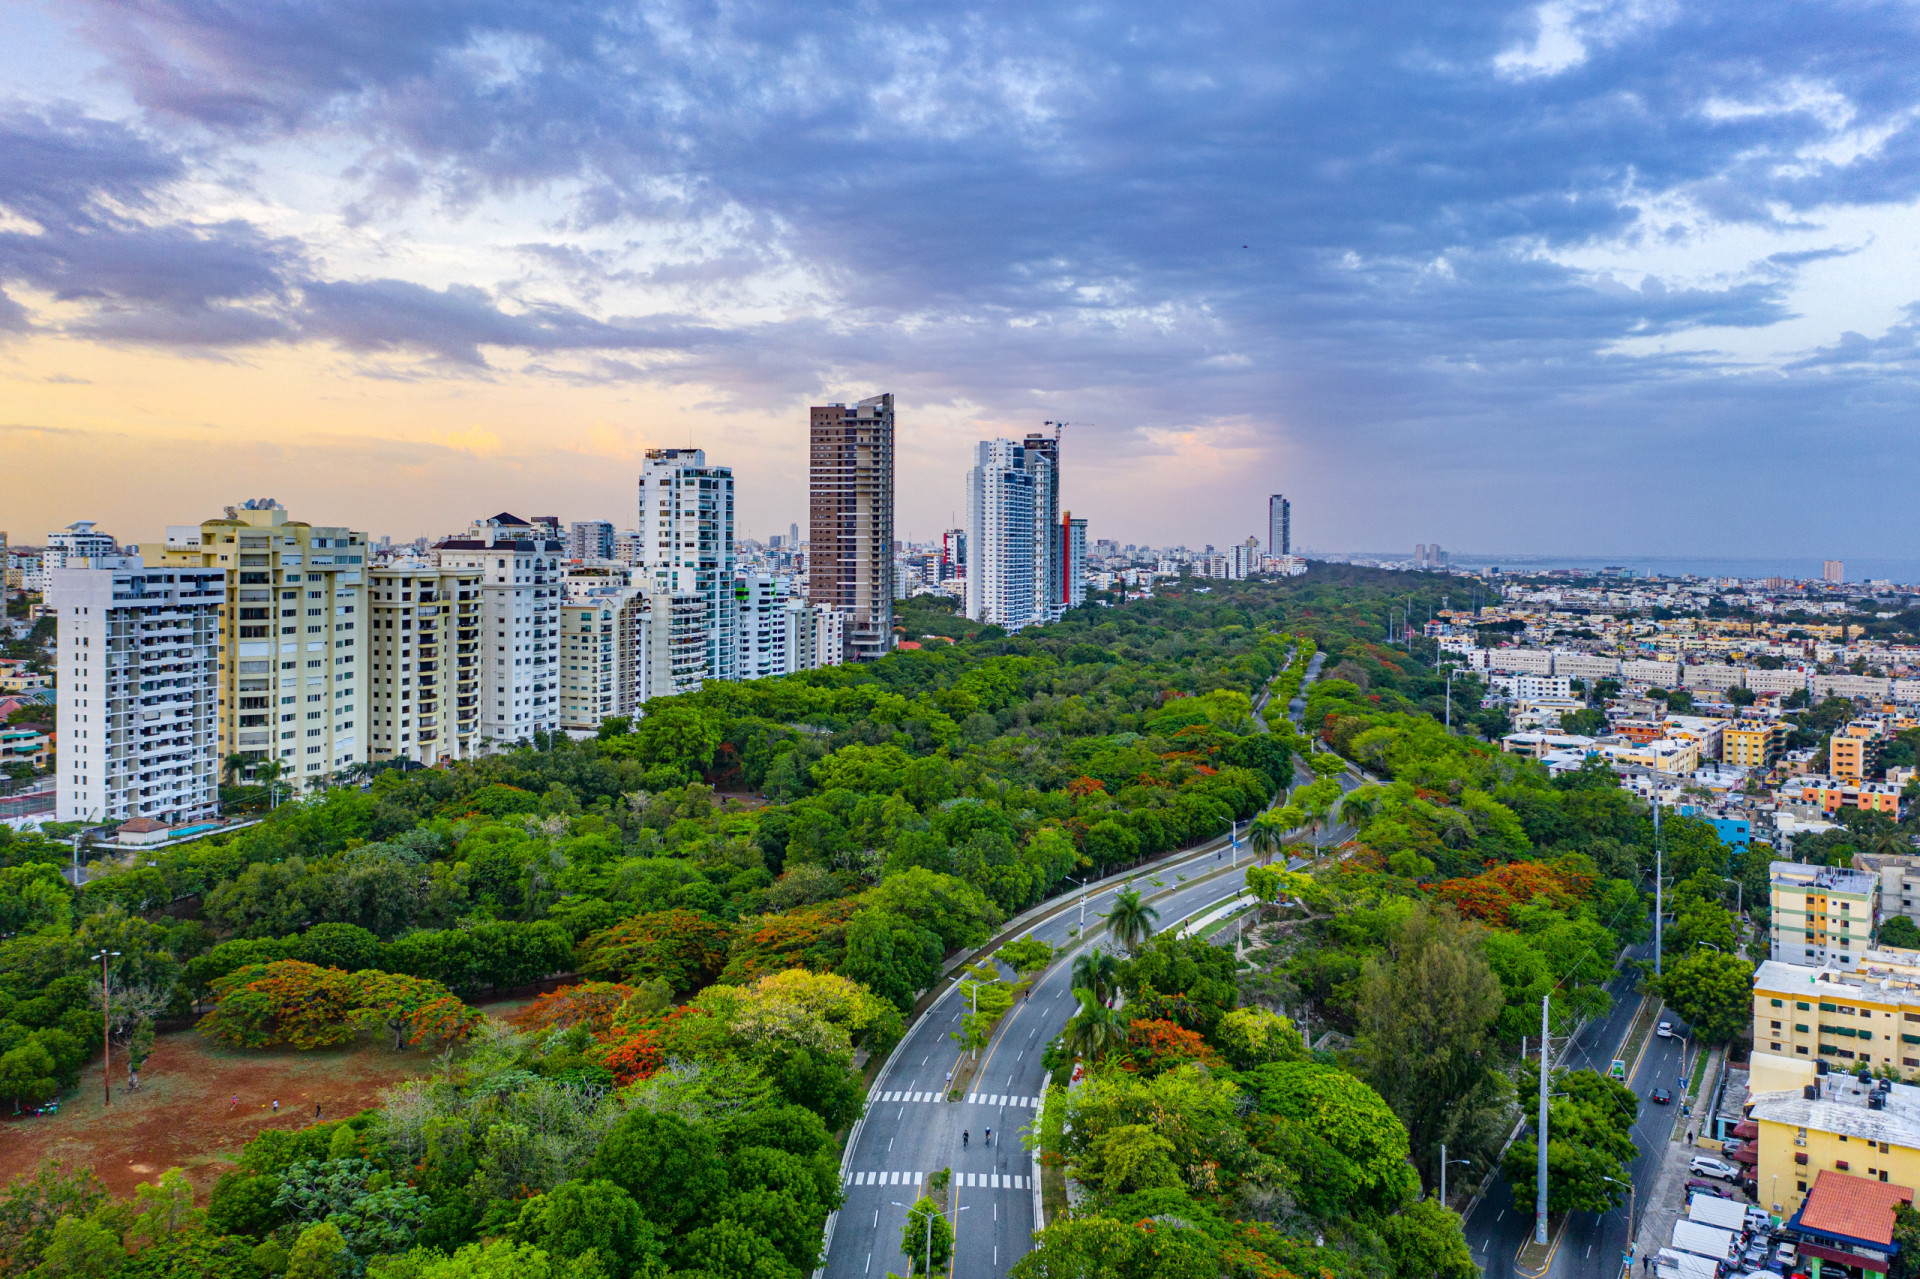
{"x":850,"y":520}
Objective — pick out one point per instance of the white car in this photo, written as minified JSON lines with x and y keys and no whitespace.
{"x":1708,"y":1166}
{"x":1787,"y":1256}
{"x":1665,"y":1031}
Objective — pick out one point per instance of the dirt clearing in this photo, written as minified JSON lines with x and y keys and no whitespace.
{"x":184,"y":1114}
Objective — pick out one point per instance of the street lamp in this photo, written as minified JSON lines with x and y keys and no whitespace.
{"x":1444,"y":1161}
{"x":928,"y":1254}
{"x":1629,"y":1186}
{"x":106,"y":1024}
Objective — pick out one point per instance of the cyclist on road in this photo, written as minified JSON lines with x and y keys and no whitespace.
{"x":963,"y":1138}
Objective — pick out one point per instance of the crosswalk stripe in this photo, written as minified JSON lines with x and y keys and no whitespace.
{"x":994,"y":1181}
{"x":917,"y":1176}
{"x":973,"y":1098}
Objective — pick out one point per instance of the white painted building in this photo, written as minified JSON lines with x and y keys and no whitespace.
{"x":760,"y":606}
{"x":686,"y":544}
{"x":139,"y":679}
{"x":425,"y":682}
{"x":520,"y":567}
{"x":1009,"y":491}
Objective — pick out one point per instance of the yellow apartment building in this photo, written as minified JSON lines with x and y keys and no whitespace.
{"x":1812,"y":1123}
{"x":1822,"y":915}
{"x":1752,"y":743}
{"x":293,"y":652}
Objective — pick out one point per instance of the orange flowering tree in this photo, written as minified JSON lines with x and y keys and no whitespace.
{"x":806,"y":937}
{"x":1492,"y":896}
{"x":590,"y":1003}
{"x":287,"y":1002}
{"x":304,"y":1005}
{"x":686,"y":948}
{"x":1154,"y":1045}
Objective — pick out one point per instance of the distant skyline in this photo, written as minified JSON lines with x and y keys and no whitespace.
{"x":1544,"y":275}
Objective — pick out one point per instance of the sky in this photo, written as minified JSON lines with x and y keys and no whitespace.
{"x":1582,"y":277}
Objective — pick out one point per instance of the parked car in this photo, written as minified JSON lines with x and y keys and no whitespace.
{"x":1665,"y":1031}
{"x":1730,"y":1145}
{"x":1708,"y":1166}
{"x":1714,"y":1188}
{"x":1758,"y":1218}
{"x":1659,"y":1097}
{"x":1786,"y":1256}
{"x":1755,"y":1256}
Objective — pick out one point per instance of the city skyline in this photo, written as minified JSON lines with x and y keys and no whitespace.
{"x":434,"y":262}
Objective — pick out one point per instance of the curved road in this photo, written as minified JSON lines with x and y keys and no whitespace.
{"x":911,"y":1131}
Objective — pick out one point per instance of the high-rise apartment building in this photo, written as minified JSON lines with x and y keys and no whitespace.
{"x":590,"y":540}
{"x":626,"y":546}
{"x":294,"y":656}
{"x":139,"y":675}
{"x":761,"y":602}
{"x":1279,"y":525}
{"x":1073,"y":550}
{"x":1050,"y":563}
{"x":1833,"y":571}
{"x":686,"y":544}
{"x":1008,"y":535}
{"x":953,"y":554}
{"x":519,"y":564}
{"x":590,"y":656}
{"x":850,"y":519}
{"x":425,"y":679}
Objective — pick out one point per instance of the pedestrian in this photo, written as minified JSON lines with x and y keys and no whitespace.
{"x":276,"y":1105}
{"x":964,"y":1136}
{"x":234,"y":1102}
{"x":316,"y":1112}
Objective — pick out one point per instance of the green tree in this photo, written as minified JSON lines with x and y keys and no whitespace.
{"x":1271,"y":828}
{"x":1103,"y":1248}
{"x":578,"y":1216}
{"x":321,"y":1252}
{"x":1130,"y":922}
{"x":670,"y":1167}
{"x":1425,"y":1241}
{"x":1589,"y":1142}
{"x":34,"y":1204}
{"x":927,"y":1237}
{"x":81,"y":1249}
{"x":891,"y":955}
{"x":1318,"y":801}
{"x":1713,"y":992}
{"x":1351,"y":1119}
{"x":1097,"y":971}
{"x":1900,"y":931}
{"x":1095,"y":1030}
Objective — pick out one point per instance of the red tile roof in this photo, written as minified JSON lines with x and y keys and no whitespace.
{"x":144,"y":825}
{"x":1852,"y":1206}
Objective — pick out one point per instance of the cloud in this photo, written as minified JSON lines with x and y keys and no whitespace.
{"x":1326,"y":229}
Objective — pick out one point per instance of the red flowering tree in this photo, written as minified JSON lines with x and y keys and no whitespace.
{"x":590,"y":1003}
{"x":686,"y":948}
{"x":1155,"y":1045}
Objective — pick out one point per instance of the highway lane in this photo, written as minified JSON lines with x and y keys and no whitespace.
{"x":1592,"y":1243}
{"x":910,"y":1131}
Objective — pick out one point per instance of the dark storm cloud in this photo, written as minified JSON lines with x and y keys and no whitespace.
{"x":1359,"y":211}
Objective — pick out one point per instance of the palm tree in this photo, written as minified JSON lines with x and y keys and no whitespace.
{"x":1099,"y":972}
{"x":234,"y":765}
{"x":1131,"y":920}
{"x":268,"y":775}
{"x":1271,"y":828}
{"x":1095,"y":1029}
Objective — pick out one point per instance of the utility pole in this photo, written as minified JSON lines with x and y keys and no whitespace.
{"x":1540,"y":1173}
{"x":1659,"y":875}
{"x":106,"y":1025}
